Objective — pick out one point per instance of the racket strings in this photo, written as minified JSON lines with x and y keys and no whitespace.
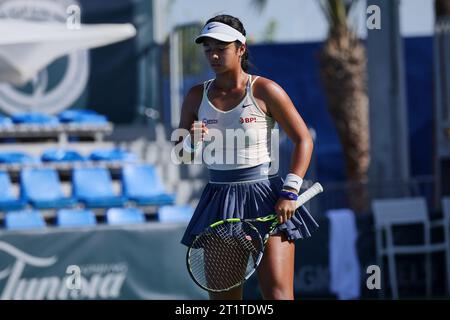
{"x":223,"y":257}
{"x":221,"y":253}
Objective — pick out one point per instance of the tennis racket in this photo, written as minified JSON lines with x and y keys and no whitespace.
{"x":228,"y":252}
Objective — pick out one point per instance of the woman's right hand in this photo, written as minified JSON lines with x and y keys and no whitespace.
{"x":198,"y":131}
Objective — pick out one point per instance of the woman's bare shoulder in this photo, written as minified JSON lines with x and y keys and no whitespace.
{"x":265,"y":88}
{"x":193,"y":98}
{"x":195,"y":93}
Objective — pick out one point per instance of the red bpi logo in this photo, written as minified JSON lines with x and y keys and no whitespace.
{"x":247,"y":120}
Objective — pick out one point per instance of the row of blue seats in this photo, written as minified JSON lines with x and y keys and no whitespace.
{"x":65,"y":155}
{"x":67,"y":116}
{"x":91,"y":187}
{"x":71,"y":218}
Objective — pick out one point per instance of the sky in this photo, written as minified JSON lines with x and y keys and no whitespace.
{"x":295,"y":20}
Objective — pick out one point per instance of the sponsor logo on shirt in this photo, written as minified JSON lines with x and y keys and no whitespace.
{"x":209,"y":121}
{"x":247,"y":120}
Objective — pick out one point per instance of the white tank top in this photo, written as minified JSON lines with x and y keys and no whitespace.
{"x":238,"y":138}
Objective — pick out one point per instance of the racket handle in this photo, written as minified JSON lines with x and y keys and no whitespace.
{"x":311,"y":192}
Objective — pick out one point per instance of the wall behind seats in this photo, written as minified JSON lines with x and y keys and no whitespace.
{"x":114,"y":86}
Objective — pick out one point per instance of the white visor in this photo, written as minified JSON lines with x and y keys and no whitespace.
{"x":220,"y":31}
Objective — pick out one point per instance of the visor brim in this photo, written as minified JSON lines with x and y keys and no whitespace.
{"x":217,"y":36}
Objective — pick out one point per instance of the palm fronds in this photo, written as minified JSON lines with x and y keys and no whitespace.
{"x":259,"y":4}
{"x":337,"y":12}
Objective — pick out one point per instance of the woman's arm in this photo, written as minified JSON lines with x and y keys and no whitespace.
{"x":277,"y":103}
{"x":189,"y":114}
{"x":280,"y":107}
{"x":189,"y":109}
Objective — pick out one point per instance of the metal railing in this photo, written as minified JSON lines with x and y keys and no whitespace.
{"x":337,"y":194}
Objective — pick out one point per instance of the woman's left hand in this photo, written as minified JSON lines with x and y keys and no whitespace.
{"x":285,"y":209}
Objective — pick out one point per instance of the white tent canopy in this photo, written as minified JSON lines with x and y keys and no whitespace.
{"x":28,"y":47}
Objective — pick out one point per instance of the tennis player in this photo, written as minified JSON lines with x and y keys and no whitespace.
{"x":237,"y":100}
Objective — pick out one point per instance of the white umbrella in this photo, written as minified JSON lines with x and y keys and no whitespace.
{"x":28,"y":47}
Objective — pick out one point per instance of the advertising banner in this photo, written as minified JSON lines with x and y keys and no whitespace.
{"x":139,"y":262}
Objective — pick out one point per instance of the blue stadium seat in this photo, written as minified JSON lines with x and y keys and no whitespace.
{"x":7,"y":200}
{"x":17,"y":158}
{"x":5,"y":122}
{"x":23,"y":220}
{"x":142,"y":184}
{"x":93,"y":187}
{"x":42,"y":188}
{"x":116,"y":216}
{"x":112,"y":155}
{"x":82,"y":116}
{"x":35,"y":118}
{"x":61,"y":155}
{"x":75,"y":218}
{"x":175,"y":213}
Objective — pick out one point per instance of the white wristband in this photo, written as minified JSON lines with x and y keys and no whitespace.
{"x":293,"y":181}
{"x":187,"y":144}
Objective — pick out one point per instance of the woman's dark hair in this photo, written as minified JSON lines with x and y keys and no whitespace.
{"x":236,"y":24}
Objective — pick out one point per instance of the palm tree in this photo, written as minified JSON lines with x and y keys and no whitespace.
{"x":343,"y":73}
{"x":442,"y":8}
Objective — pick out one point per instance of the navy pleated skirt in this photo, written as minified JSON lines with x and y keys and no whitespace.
{"x":245,"y":193}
